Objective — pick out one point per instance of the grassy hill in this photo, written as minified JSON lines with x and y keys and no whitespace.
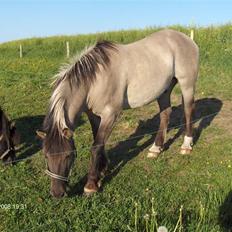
{"x":138,"y":194}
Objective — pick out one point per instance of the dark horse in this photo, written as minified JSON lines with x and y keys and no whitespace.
{"x":106,"y":79}
{"x":9,"y":137}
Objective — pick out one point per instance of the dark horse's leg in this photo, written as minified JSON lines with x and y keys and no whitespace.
{"x":165,"y":111}
{"x":102,"y":128}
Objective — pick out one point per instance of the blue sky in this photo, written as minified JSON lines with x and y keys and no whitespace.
{"x":30,"y":18}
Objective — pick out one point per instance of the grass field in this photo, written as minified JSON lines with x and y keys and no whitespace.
{"x":183,"y":193}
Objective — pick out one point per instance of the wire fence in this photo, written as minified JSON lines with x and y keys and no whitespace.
{"x":49,"y":83}
{"x":124,"y":140}
{"x":67,"y":46}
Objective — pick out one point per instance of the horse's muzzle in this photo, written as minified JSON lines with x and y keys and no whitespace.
{"x":58,"y":195}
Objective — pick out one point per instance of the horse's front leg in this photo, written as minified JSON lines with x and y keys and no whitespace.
{"x":98,"y":160}
{"x":95,"y":123}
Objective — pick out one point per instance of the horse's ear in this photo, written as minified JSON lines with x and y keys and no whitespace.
{"x":41,"y":134}
{"x":67,"y":133}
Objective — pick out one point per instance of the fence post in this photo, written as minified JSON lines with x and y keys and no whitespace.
{"x":192,"y":34}
{"x":20,"y":51}
{"x":67,"y":49}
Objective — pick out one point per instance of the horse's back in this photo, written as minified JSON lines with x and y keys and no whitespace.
{"x":167,"y":44}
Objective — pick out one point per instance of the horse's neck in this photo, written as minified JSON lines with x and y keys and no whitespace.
{"x":75,"y":105}
{"x":67,"y":104}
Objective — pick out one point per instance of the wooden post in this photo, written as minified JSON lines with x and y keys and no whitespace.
{"x":192,"y":34}
{"x":67,"y":49}
{"x":20,"y":51}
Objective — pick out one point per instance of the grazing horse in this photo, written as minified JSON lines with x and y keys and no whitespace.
{"x":107,"y":78}
{"x":9,"y":137}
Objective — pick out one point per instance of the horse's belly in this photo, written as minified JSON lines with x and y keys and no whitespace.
{"x":140,"y":95}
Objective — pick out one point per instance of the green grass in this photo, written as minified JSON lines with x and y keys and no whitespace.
{"x":138,"y":194}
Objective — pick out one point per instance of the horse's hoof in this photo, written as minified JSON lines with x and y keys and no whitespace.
{"x":89,"y":192}
{"x":152,"y":155}
{"x":185,"y":151}
{"x":154,"y":151}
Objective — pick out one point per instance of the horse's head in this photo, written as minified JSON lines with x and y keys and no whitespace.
{"x":9,"y":137}
{"x":60,"y":153}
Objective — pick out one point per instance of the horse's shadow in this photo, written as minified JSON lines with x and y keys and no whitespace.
{"x":206,"y":110}
{"x":124,"y":151}
{"x":225,"y":214}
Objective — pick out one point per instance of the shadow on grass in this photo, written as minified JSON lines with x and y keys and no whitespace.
{"x":225,"y":214}
{"x":27,"y":127}
{"x":126,"y":150}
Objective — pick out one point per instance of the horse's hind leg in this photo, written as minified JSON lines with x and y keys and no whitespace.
{"x":165,"y":111}
{"x":188,"y":103}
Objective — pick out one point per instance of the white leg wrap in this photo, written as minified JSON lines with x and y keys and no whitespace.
{"x":154,"y":151}
{"x":155,"y":148}
{"x":187,"y":145}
